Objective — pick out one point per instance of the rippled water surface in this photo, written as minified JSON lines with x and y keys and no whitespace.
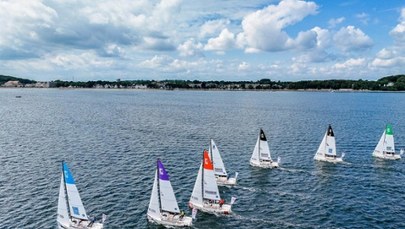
{"x":111,"y":139}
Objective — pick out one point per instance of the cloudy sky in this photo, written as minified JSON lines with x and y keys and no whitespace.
{"x":205,"y":40}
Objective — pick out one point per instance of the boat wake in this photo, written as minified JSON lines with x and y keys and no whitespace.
{"x":278,"y":193}
{"x":270,"y":222}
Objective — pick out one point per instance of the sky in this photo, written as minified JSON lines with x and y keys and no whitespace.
{"x":285,"y":40}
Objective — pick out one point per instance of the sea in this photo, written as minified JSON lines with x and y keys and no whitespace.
{"x":111,"y":140}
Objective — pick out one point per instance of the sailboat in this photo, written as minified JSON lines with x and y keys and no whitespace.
{"x":71,"y":212}
{"x":261,"y":153}
{"x":163,"y":208}
{"x":385,"y":148}
{"x":327,"y":148}
{"x":219,"y":168}
{"x":205,"y":196}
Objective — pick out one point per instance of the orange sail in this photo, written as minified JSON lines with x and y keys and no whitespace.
{"x":207,"y":161}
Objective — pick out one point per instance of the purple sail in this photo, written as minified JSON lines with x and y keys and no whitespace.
{"x":162,"y":171}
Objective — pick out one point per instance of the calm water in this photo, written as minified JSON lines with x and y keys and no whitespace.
{"x":111,"y":139}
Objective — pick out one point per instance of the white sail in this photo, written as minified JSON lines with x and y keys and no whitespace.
{"x":154,"y":207}
{"x":219,"y":167}
{"x":389,"y":143}
{"x":75,"y":203}
{"x":63,"y":214}
{"x":386,"y":143}
{"x":196,"y":195}
{"x":380,"y":146}
{"x":210,"y":186}
{"x":261,"y":150}
{"x":328,"y":144}
{"x":255,"y":154}
{"x":167,"y":198}
{"x":322,"y":146}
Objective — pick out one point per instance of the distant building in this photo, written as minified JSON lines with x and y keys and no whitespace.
{"x":12,"y":83}
{"x":140,"y":86}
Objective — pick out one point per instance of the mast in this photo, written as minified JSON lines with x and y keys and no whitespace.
{"x":66,"y":193}
{"x":326,"y":141}
{"x":202,"y":178}
{"x":258,"y":150}
{"x":212,"y":158}
{"x":384,"y":142}
{"x":158,"y":185}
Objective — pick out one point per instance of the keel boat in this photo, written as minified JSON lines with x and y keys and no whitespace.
{"x":385,"y":148}
{"x":261,"y":154}
{"x":219,"y":168}
{"x":163,"y":208}
{"x":71,"y":212}
{"x":205,"y":196}
{"x":327,"y":149}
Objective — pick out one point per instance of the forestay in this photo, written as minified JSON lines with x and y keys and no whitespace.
{"x":154,"y":206}
{"x":63,"y":214}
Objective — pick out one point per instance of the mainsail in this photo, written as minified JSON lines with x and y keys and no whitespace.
{"x":210,"y":186}
{"x":386,"y":143}
{"x":162,"y":197}
{"x":75,"y":205}
{"x":219,"y":167}
{"x":328,"y":144}
{"x":261,"y":150}
{"x":167,"y":198}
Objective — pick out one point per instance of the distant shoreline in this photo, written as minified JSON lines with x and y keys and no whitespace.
{"x":207,"y":90}
{"x":388,"y":83}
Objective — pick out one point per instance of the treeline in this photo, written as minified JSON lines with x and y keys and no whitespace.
{"x":4,"y":79}
{"x":389,"y":83}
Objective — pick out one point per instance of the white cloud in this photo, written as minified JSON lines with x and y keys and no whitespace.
{"x":389,"y":58}
{"x":190,"y":48}
{"x":333,"y":22}
{"x":79,"y":61}
{"x":243,"y":66}
{"x":393,"y":57}
{"x":388,"y":63}
{"x":398,"y":32}
{"x":306,"y":40}
{"x":352,"y":39}
{"x":363,"y":18}
{"x":213,"y":27}
{"x":263,"y":29}
{"x":224,"y":41}
{"x":314,"y":44}
{"x":157,"y":43}
{"x":164,"y":13}
{"x":21,"y":25}
{"x":156,"y":61}
{"x":351,"y":63}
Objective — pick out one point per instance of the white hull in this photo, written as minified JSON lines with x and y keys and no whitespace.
{"x":265,"y":164}
{"x":172,"y":221}
{"x":224,"y":181}
{"x":380,"y":155}
{"x":82,"y":225}
{"x":212,"y":208}
{"x":328,"y":159}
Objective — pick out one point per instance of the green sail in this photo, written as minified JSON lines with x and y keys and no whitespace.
{"x":388,"y":130}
